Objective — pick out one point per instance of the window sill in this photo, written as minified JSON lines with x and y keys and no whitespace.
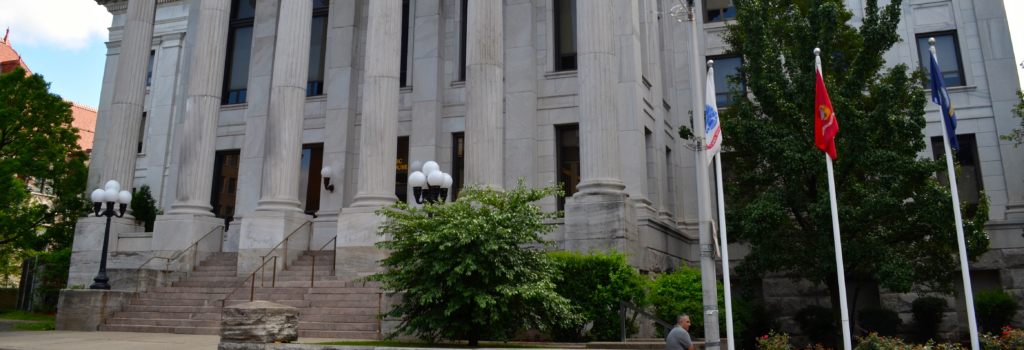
{"x":316,"y":98}
{"x":140,"y":155}
{"x":458,"y":84}
{"x":234,"y":106}
{"x":718,"y":24}
{"x":560,"y":74}
{"x":405,"y":90}
{"x":956,"y":88}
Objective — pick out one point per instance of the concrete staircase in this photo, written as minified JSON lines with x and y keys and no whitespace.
{"x":335,"y":307}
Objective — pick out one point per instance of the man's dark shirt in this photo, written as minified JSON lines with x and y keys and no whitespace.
{"x":678,"y":339}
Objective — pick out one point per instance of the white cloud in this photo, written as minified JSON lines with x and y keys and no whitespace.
{"x":64,"y":24}
{"x":1015,"y":8}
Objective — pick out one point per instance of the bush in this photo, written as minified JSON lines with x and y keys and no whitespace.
{"x":757,"y":321}
{"x":594,"y":283}
{"x":53,"y":273}
{"x":994,"y":309}
{"x":774,"y":341}
{"x":679,"y":292}
{"x":817,"y":323}
{"x":875,"y":342}
{"x":928,"y":313}
{"x":1011,"y":339}
{"x":144,"y":207}
{"x":880,"y":320}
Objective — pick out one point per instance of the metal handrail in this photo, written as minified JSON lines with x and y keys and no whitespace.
{"x":175,"y":256}
{"x":252,"y":289}
{"x":623,"y":305}
{"x":312,"y":276}
{"x":286,"y":238}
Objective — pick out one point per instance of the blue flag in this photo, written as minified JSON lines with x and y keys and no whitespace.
{"x":941,"y":97}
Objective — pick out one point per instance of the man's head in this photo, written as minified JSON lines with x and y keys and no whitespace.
{"x":683,"y":321}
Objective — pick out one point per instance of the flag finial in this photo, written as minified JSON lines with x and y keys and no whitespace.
{"x":931,"y":41}
{"x":711,"y":63}
{"x":817,"y":51}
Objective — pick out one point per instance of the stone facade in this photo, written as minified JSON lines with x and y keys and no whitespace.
{"x":638,"y":189}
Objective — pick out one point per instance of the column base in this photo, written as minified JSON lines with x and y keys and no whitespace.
{"x":325,"y":228}
{"x":88,"y":246}
{"x":1015,"y":210}
{"x":357,"y":233}
{"x":601,"y":222}
{"x":175,"y":233}
{"x":84,"y":310}
{"x":263,"y":230}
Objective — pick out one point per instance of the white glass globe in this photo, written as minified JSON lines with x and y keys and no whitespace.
{"x":417,"y":179}
{"x":124,"y":197}
{"x":97,"y":196}
{"x":429,"y":167}
{"x":110,"y":195}
{"x":416,"y":166}
{"x":436,"y":178}
{"x":447,"y":181}
{"x":326,"y":172}
{"x":112,"y":184}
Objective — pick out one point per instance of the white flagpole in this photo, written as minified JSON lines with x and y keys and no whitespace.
{"x":972,"y":322}
{"x":840,"y":273}
{"x":725,"y":256}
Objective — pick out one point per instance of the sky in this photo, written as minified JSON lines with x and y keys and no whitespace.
{"x":64,"y":41}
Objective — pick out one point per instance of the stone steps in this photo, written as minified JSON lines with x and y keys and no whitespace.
{"x":337,"y":307}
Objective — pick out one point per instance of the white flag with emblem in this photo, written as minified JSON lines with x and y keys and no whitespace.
{"x":712,"y":126}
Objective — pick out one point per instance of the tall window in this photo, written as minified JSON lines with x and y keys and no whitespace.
{"x":236,"y":70}
{"x":404,"y":70}
{"x":670,"y":181}
{"x":462,"y":49}
{"x":225,"y":183}
{"x":309,"y":177}
{"x":567,"y":139}
{"x":947,"y":50}
{"x":652,"y":179}
{"x":458,"y":163}
{"x":149,"y":73}
{"x":402,"y":169}
{"x":565,"y":35}
{"x":142,"y":133}
{"x":726,"y":67}
{"x":317,"y":49}
{"x":718,"y":10}
{"x":968,"y":183}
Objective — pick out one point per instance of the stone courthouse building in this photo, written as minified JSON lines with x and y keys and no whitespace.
{"x":229,"y":109}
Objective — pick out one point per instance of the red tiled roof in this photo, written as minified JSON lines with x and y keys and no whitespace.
{"x":9,"y":58}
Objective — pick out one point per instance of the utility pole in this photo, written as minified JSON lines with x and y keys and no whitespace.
{"x":707,"y":258}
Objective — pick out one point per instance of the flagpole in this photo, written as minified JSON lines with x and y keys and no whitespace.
{"x":972,"y":322}
{"x":725,"y":257}
{"x":840,"y":273}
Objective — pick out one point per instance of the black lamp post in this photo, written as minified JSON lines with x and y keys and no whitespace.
{"x":437,"y":183}
{"x":110,"y":196}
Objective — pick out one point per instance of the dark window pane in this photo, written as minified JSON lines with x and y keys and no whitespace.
{"x":725,"y":68}
{"x":947,"y":52}
{"x":969,"y":182}
{"x":402,"y":169}
{"x":225,"y":181}
{"x":565,"y":34}
{"x":729,"y":13}
{"x":142,"y":132}
{"x":568,"y":144}
{"x":458,"y":164}
{"x":718,"y":10}
{"x":320,"y":3}
{"x":149,"y":73}
{"x":244,"y":9}
{"x":714,"y":15}
{"x":403,"y":70}
{"x":317,"y":55}
{"x":462,"y":50}
{"x":237,"y":79}
{"x":309,"y":177}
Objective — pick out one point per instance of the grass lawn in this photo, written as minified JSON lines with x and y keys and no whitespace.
{"x":413,"y":344}
{"x":8,"y":314}
{"x":34,"y":326}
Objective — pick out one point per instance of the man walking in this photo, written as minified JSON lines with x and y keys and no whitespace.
{"x":679,"y":338}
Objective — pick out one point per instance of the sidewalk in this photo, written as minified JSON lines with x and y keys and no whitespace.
{"x":61,"y":340}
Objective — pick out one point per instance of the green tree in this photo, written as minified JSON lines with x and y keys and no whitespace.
{"x":594,"y":283}
{"x":897,"y":222}
{"x":37,"y":141}
{"x":1017,"y":135}
{"x":467,"y":269}
{"x":144,"y":207}
{"x":679,"y":292}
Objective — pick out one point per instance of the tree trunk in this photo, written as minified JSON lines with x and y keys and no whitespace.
{"x":837,"y":314}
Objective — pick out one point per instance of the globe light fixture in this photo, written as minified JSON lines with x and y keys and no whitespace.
{"x":429,"y":174}
{"x":326,"y":173}
{"x":111,"y":194}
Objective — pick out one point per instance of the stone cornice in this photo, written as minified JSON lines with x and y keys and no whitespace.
{"x":121,"y":5}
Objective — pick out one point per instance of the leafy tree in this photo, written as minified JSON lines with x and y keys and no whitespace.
{"x":928,"y":314}
{"x":1017,"y":135}
{"x":144,"y":207}
{"x":995,"y":310}
{"x":594,"y":283}
{"x":465,"y":269}
{"x":37,"y":141}
{"x":679,"y":292}
{"x":897,"y":222}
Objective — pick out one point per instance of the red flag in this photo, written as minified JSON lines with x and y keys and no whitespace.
{"x":825,"y":124}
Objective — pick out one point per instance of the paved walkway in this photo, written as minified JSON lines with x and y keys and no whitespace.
{"x":60,"y":340}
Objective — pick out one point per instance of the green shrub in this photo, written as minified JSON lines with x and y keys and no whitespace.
{"x":679,"y":292}
{"x":144,"y":207}
{"x":53,"y":273}
{"x":817,"y":323}
{"x":928,"y":313}
{"x":774,"y":341}
{"x":994,"y":309}
{"x":875,"y":342}
{"x":594,"y":283}
{"x":1010,"y":339}
{"x":880,"y":320}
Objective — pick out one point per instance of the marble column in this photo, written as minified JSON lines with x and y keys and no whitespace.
{"x":378,"y":146}
{"x":129,"y":94}
{"x":601,"y":216}
{"x":202,"y":108}
{"x":357,"y":224}
{"x":484,"y":94}
{"x":287,"y":108}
